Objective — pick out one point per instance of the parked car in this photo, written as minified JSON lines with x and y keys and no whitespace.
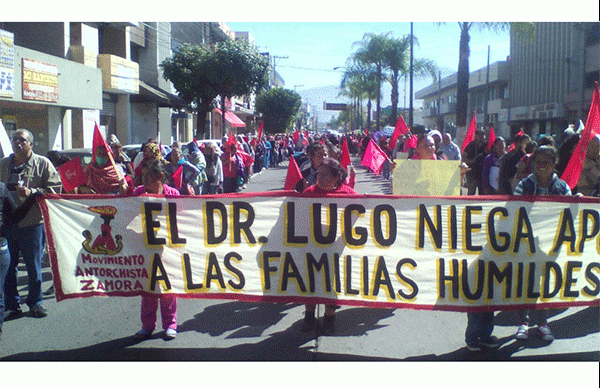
{"x":58,"y":157}
{"x":131,"y":150}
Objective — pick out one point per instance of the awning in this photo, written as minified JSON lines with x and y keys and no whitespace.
{"x":149,"y":93}
{"x":231,"y":118}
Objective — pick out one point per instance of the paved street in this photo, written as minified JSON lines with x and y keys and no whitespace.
{"x":101,"y":328}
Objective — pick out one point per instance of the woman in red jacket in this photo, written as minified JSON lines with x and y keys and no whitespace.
{"x":331,"y":178}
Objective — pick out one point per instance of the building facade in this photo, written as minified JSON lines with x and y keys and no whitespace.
{"x":552,"y":76}
{"x":545,"y":85}
{"x":439,"y":99}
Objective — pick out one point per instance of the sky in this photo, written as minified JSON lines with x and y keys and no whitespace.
{"x":312,"y":50}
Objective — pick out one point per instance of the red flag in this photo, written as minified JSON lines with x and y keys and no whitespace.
{"x":296,"y":136}
{"x":260,"y":131}
{"x":401,"y":129}
{"x":512,"y":146}
{"x":411,"y":143}
{"x":231,"y":140}
{"x":345,"y":153}
{"x":293,"y":175}
{"x":591,"y":129}
{"x":71,"y":174}
{"x":247,"y":159}
{"x":178,"y":177}
{"x":470,"y":133}
{"x":492,"y":138}
{"x":98,"y":141}
{"x":374,"y":158}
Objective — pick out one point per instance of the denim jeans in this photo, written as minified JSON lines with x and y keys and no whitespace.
{"x":479,"y":326}
{"x":29,"y":242}
{"x":4,"y":264}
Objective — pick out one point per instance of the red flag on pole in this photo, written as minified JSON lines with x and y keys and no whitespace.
{"x":470,"y":133}
{"x":260,"y":131}
{"x":401,"y":129}
{"x":296,"y":136}
{"x":491,"y":138}
{"x":411,"y":143}
{"x":591,"y":129}
{"x":71,"y":174}
{"x":345,"y":153}
{"x":374,"y":158}
{"x":98,"y":141}
{"x":178,"y":177}
{"x":293,"y":175}
{"x":231,"y":140}
{"x":512,"y":146}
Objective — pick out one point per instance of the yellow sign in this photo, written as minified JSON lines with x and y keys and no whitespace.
{"x":426,"y":177}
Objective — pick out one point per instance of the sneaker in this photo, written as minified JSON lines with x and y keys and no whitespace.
{"x":309,"y":321}
{"x":545,"y":333}
{"x":474,"y":346}
{"x":523,"y":332}
{"x":491,"y":342}
{"x":14,"y":314}
{"x":171,"y":333}
{"x":142,"y":335}
{"x":38,"y":311}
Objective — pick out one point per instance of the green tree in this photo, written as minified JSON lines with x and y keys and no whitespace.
{"x":360,"y":81}
{"x":187,"y":69}
{"x":279,"y":108}
{"x":371,"y":50}
{"x":237,"y":69}
{"x":397,"y":60}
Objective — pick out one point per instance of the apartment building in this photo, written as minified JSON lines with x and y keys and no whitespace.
{"x":552,"y":76}
{"x":545,"y":84}
{"x":59,"y":79}
{"x":487,"y":86}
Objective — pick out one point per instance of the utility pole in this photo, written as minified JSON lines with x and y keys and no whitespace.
{"x":410,"y":113}
{"x":487,"y":93}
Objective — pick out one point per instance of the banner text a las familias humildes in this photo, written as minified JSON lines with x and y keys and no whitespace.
{"x":446,"y":253}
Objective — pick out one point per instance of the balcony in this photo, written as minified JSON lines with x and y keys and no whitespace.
{"x":448,"y":108}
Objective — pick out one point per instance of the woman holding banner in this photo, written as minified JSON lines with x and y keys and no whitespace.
{"x":543,"y":181}
{"x":153,"y":178}
{"x":330,"y":179}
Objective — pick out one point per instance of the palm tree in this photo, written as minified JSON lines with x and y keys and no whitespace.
{"x":371,"y":50}
{"x":462,"y":75}
{"x":397,"y":60}
{"x":361,"y":80}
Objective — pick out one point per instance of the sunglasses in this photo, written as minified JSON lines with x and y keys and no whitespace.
{"x":19,"y":140}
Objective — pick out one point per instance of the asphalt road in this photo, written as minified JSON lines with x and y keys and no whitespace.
{"x":100,"y":329}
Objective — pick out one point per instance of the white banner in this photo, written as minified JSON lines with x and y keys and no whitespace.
{"x":446,"y":253}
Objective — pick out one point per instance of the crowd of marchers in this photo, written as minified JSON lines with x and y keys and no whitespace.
{"x":523,"y":167}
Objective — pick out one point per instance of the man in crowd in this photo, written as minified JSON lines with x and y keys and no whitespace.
{"x":25,"y":173}
{"x":449,"y":148}
{"x":473,"y":156}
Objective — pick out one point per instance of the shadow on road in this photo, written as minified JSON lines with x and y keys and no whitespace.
{"x":579,"y":324}
{"x":246,"y":320}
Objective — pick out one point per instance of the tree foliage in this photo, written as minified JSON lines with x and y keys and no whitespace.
{"x":201,"y":74}
{"x":188,"y":70}
{"x":279,"y":108}
{"x":238,"y":69}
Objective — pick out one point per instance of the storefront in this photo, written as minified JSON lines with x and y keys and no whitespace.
{"x":54,"y":98}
